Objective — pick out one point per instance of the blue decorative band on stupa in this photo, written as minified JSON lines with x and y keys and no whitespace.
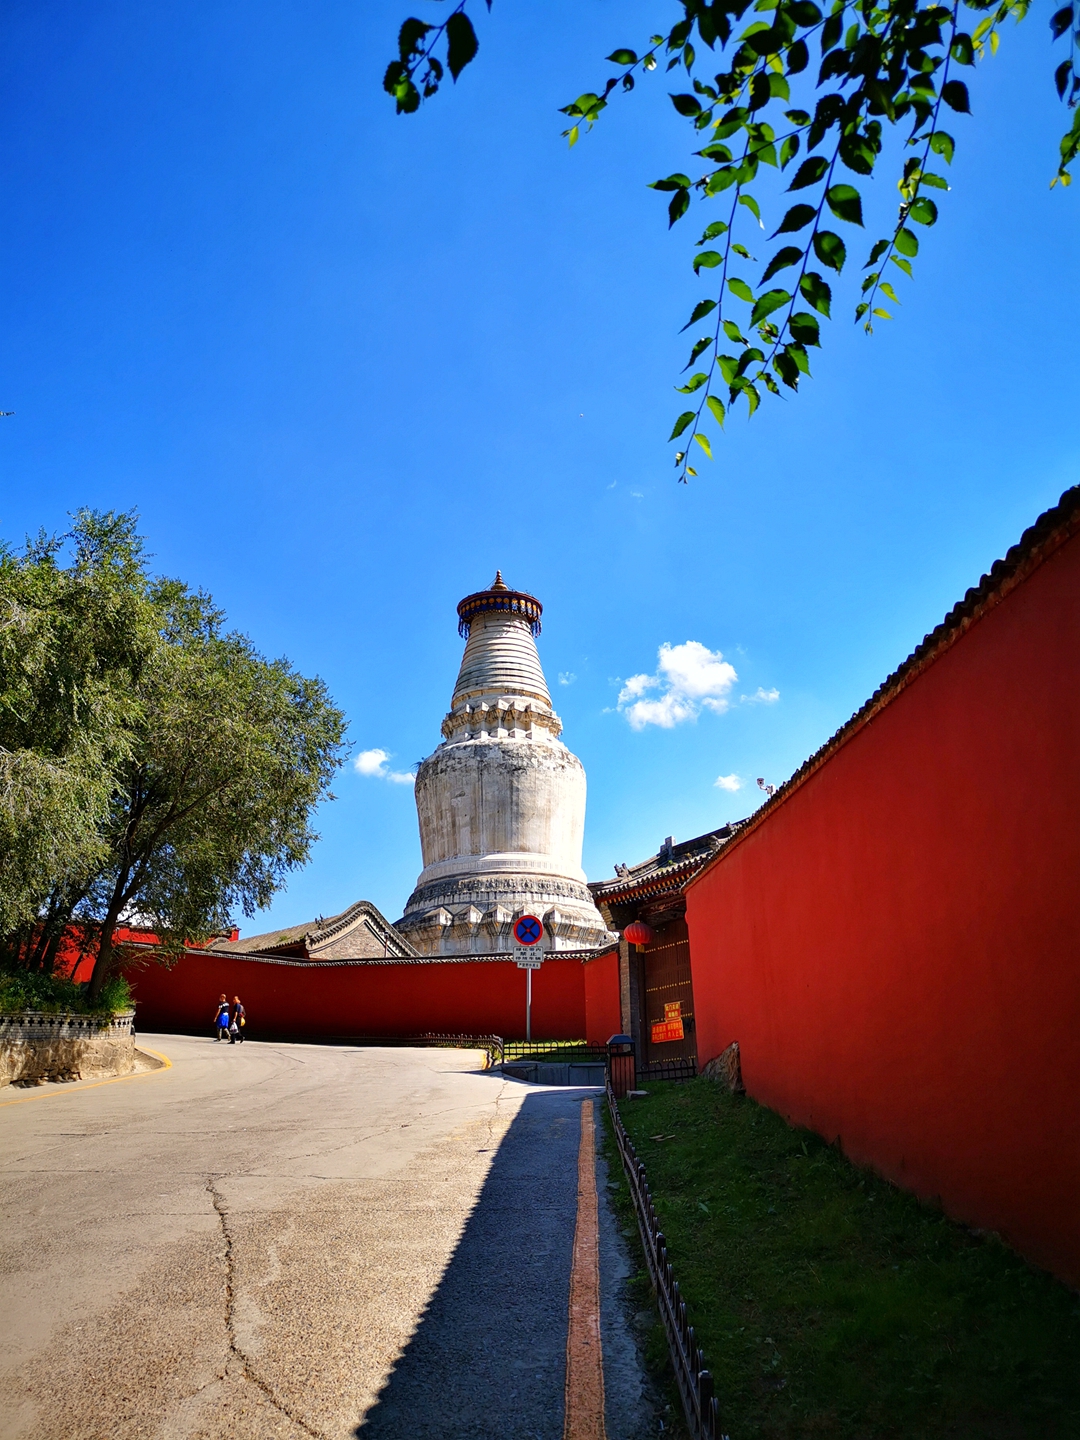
{"x":500,"y":598}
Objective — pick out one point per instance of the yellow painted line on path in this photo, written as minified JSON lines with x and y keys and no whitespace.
{"x":584,"y":1356}
{"x":166,"y":1064}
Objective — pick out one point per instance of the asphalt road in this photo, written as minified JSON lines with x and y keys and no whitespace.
{"x":293,"y":1241}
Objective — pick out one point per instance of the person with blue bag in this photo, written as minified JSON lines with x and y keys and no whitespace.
{"x":221,"y":1019}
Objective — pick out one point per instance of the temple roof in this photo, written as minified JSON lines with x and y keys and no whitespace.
{"x":359,"y":933}
{"x":666,"y":872}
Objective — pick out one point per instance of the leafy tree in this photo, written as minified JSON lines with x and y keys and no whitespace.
{"x":214,"y":761}
{"x":808,"y":89}
{"x":71,"y":640}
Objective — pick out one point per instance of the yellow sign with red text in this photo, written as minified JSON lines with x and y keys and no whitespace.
{"x":671,"y":1027}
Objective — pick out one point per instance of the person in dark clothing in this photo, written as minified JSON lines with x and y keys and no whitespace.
{"x":239,"y":1020}
{"x":221,"y":1019}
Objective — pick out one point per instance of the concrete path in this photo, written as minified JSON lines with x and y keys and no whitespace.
{"x":294,"y":1241}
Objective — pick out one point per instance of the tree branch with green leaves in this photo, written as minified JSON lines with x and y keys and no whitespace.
{"x":858,"y":70}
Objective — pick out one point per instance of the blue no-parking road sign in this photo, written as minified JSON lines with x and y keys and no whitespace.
{"x":528,"y":930}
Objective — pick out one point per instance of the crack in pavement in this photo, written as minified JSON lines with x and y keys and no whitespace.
{"x":245,"y":1367}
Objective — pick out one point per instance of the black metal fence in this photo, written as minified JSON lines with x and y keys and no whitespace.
{"x":492,"y":1045}
{"x":668,"y":1070}
{"x":556,"y":1051}
{"x":694,"y":1380}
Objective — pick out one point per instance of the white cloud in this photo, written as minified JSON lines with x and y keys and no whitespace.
{"x":690,"y":677}
{"x":728,"y":782}
{"x":566,"y":677}
{"x":760,"y":697}
{"x":373,"y":762}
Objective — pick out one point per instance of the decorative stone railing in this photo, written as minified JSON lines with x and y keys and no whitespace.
{"x":37,"y":1046}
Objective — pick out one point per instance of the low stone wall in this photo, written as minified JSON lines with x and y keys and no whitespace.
{"x":36,"y":1046}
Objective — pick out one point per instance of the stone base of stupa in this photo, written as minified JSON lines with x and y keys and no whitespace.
{"x":476,"y":915}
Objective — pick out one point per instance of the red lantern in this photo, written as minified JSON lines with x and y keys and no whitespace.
{"x":637,"y":933}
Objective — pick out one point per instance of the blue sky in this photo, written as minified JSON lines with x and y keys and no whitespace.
{"x":345,"y":364}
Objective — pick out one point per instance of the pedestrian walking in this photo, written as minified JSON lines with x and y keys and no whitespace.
{"x":221,"y":1019}
{"x":239,"y":1020}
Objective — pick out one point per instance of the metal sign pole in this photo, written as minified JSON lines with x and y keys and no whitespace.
{"x":528,"y":932}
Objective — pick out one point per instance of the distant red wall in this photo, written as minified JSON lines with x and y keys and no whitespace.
{"x":896,"y":948}
{"x":319,"y":1000}
{"x":603,"y":1016}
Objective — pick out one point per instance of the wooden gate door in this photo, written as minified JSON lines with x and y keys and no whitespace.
{"x":669,"y":996}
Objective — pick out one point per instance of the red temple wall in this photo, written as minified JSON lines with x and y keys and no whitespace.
{"x":320,"y":1000}
{"x":603,"y":1014}
{"x":896,"y":947}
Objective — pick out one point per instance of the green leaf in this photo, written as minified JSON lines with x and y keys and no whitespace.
{"x":904,"y":265}
{"x":883,"y":313}
{"x":829,"y":249}
{"x":742,"y":250}
{"x":804,"y":329}
{"x":798,"y":57}
{"x":809,"y":172}
{"x":461,"y":42}
{"x":789,"y":255}
{"x":708,"y":260}
{"x":680,"y":203}
{"x":955,"y":95}
{"x":906,"y":243}
{"x":694,"y":383}
{"x":718,"y":227}
{"x":890,"y":292}
{"x":795,"y":219}
{"x":923,"y":210}
{"x":721,"y":179}
{"x":409,"y":36}
{"x":937,"y":182}
{"x":719,"y":154}
{"x":573,"y":135}
{"x":1061,"y":21}
{"x":623,"y":57}
{"x":729,"y":367}
{"x":788,"y":150}
{"x":767,"y":303}
{"x":845,"y":203}
{"x":943,"y":145}
{"x":962,"y":50}
{"x":816,"y":291}
{"x":741,"y":289}
{"x":673,"y":182}
{"x":787,"y":369}
{"x":680,"y":424}
{"x":699,"y":346}
{"x":687,"y":105}
{"x":701,"y":309}
{"x":752,"y":205}
{"x":880,"y":246}
{"x":733,"y":333}
{"x":717,"y":408}
{"x":703,"y":441}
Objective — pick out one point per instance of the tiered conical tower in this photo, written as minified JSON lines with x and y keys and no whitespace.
{"x":501,"y":802}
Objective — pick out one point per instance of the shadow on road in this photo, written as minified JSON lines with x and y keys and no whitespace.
{"x":488,"y":1357}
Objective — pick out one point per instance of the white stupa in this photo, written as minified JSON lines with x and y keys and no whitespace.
{"x":501,"y":802}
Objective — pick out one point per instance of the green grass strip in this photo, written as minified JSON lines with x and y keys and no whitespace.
{"x":831,"y":1304}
